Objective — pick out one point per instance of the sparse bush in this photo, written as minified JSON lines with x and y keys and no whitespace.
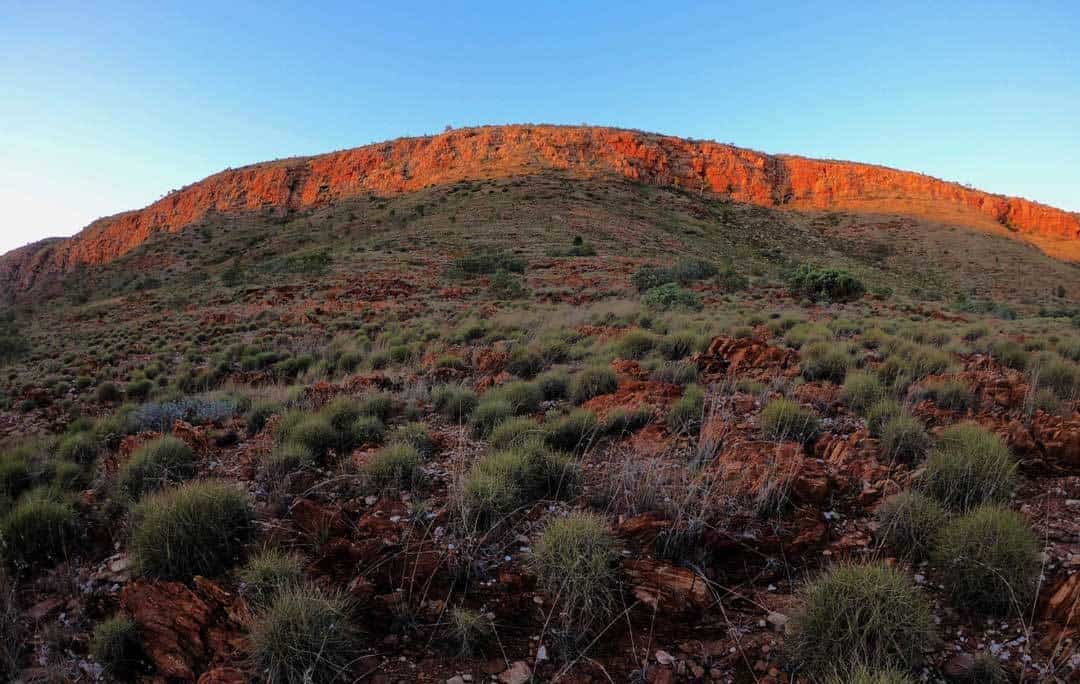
{"x":861,"y":615}
{"x":156,"y":465}
{"x":304,"y":635}
{"x":488,"y":414}
{"x":454,"y":402}
{"x":688,"y":270}
{"x":554,"y":384}
{"x":861,"y":391}
{"x":989,"y":560}
{"x":368,"y":430}
{"x":783,"y":419}
{"x":951,"y":395}
{"x":1059,"y":376}
{"x":259,"y":414}
{"x":825,"y":361}
{"x":677,"y":346}
{"x":469,"y":630}
{"x":1009,"y":354}
{"x":513,"y":431}
{"x":592,"y":382}
{"x":397,"y":465}
{"x":523,"y":397}
{"x":904,"y":438}
{"x":108,"y":393}
{"x":969,"y":466}
{"x":573,"y":432}
{"x":525,"y":363}
{"x":623,"y":421}
{"x":199,"y":528}
{"x":417,"y":436}
{"x":802,"y":334}
{"x":503,"y":481}
{"x":912,"y":363}
{"x":634,"y":344}
{"x":881,"y":413}
{"x":865,"y":675}
{"x":117,"y":646}
{"x":909,"y":524}
{"x":271,"y":571}
{"x":677,"y":373}
{"x":37,"y":530}
{"x":285,"y":459}
{"x":78,"y":448}
{"x":648,"y":277}
{"x":687,"y":413}
{"x":486,"y":263}
{"x":825,"y":283}
{"x":575,"y":564}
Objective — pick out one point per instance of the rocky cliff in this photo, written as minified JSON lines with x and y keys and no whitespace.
{"x":411,"y":163}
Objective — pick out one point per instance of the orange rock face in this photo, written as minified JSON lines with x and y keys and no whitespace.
{"x":409,"y":164}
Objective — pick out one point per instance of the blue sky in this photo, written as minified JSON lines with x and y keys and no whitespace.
{"x":107,"y":106}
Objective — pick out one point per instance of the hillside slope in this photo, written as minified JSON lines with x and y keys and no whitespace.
{"x":410,"y":164}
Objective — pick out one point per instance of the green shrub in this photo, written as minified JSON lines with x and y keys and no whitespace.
{"x":368,"y":430}
{"x":14,"y":473}
{"x":861,"y":390}
{"x":670,"y":296}
{"x":1059,"y":376}
{"x":575,"y":561}
{"x":139,"y":389}
{"x":783,"y":419}
{"x":525,"y":363}
{"x":259,"y":414}
{"x":904,"y":439}
{"x":687,"y":413}
{"x":285,"y":459}
{"x":989,"y":560}
{"x":264,"y":575}
{"x":1009,"y":354}
{"x":487,"y":262}
{"x":199,"y":528}
{"x":825,"y":283}
{"x":156,"y":465}
{"x":678,"y":346}
{"x":117,"y":646}
{"x":677,"y":373}
{"x":969,"y":466}
{"x":861,"y":615}
{"x":688,"y":270}
{"x":108,"y":393}
{"x":951,"y":395}
{"x":648,"y":277}
{"x":911,"y":363}
{"x":634,"y":344}
{"x":304,"y":635}
{"x":909,"y":524}
{"x":825,"y":361}
{"x":454,"y":402}
{"x":802,"y":334}
{"x":37,"y":530}
{"x":573,"y":432}
{"x":503,"y":481}
{"x":341,"y":413}
{"x":554,"y":384}
{"x":81,"y":447}
{"x":523,"y":397}
{"x":592,"y":382}
{"x":397,"y":465}
{"x":488,"y":414}
{"x":513,"y":431}
{"x":881,"y":413}
{"x":622,"y":421}
{"x":380,"y":405}
{"x":417,"y":436}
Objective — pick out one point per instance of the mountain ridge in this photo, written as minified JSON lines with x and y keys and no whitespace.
{"x":408,"y":164}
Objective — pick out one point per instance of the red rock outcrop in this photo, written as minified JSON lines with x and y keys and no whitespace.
{"x":409,"y":164}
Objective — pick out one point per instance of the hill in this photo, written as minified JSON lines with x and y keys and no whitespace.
{"x":410,"y":164}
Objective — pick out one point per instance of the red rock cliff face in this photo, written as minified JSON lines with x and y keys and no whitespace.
{"x":412,"y":163}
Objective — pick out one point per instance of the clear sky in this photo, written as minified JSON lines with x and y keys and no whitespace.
{"x":106,"y":106}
